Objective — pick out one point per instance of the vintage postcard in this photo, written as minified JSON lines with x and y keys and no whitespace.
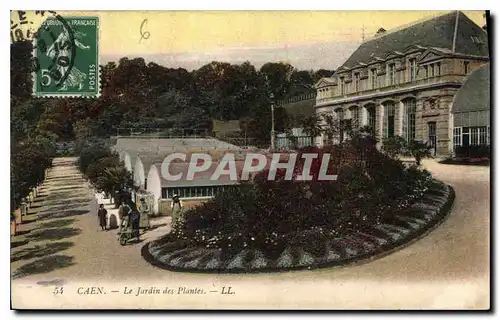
{"x":198,"y":160}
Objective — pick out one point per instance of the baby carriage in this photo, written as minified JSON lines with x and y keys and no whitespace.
{"x":126,"y":230}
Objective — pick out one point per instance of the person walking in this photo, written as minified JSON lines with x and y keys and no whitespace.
{"x":177,"y":207}
{"x":135,"y":218}
{"x":102,"y":215}
{"x":144,"y":210}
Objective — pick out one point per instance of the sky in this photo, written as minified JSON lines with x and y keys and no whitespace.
{"x":190,"y":39}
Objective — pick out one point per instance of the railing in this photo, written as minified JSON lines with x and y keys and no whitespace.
{"x":294,"y":142}
{"x":302,"y":97}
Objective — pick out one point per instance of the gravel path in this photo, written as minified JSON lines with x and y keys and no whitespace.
{"x":447,"y":269}
{"x":68,"y":216}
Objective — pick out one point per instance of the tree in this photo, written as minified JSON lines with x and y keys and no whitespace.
{"x":29,"y":160}
{"x":193,"y":120}
{"x":331,"y":127}
{"x":419,"y":150}
{"x":20,"y":69}
{"x":394,"y":146}
{"x":322,"y":73}
{"x":301,"y":82}
{"x":90,"y":154}
{"x":278,"y":77}
{"x":227,"y":91}
{"x":109,"y":175}
{"x":172,"y":102}
{"x":311,"y":125}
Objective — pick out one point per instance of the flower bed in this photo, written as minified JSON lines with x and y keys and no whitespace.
{"x":376,"y":204}
{"x":326,"y":249}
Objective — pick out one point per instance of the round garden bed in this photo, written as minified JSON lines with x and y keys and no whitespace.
{"x":411,"y":224}
{"x":372,"y":209}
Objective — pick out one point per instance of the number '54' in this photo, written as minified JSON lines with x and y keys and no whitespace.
{"x":58,"y":290}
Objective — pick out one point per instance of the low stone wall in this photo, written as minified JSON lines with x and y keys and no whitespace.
{"x":376,"y":241}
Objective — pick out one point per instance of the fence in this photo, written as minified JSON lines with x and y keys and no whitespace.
{"x":164,"y":133}
{"x":294,"y":142}
{"x":302,"y":97}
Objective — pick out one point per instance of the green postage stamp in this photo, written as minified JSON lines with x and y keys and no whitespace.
{"x":66,"y":57}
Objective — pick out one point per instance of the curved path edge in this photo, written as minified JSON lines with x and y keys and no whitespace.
{"x":443,"y":212}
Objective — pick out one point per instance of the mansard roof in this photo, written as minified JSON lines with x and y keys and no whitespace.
{"x":450,"y":31}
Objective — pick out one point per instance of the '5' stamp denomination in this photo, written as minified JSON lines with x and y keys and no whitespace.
{"x":66,"y":54}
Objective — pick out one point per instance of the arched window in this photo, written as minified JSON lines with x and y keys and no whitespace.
{"x":410,"y":109}
{"x":389,"y":119}
{"x":356,"y":121}
{"x":340,"y":114}
{"x":372,"y":118}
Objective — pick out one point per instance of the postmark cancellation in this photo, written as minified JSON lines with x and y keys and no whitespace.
{"x":66,"y":58}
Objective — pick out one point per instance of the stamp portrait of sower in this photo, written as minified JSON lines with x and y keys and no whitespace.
{"x":76,"y":78}
{"x":66,"y":50}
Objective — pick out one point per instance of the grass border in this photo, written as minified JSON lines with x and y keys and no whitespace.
{"x":382,"y":251}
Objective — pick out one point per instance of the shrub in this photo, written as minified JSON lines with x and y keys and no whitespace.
{"x":482,"y":151}
{"x":90,"y":154}
{"x":271,"y":215}
{"x":394,"y":146}
{"x":419,"y":150}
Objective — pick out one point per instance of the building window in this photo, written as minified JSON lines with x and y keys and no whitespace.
{"x":356,"y":82}
{"x":483,"y":136}
{"x":410,"y":108}
{"x":355,"y":117}
{"x":431,"y":136}
{"x":389,"y":118}
{"x":465,"y":136}
{"x":466,"y":67}
{"x":372,"y":119}
{"x":340,"y":114}
{"x":478,"y":136}
{"x":471,"y":136}
{"x":413,"y":69}
{"x":433,"y":70}
{"x":392,"y":74}
{"x":457,"y":136}
{"x":342,"y":85}
{"x":191,"y":192}
{"x":474,"y":136}
{"x":373,"y":78}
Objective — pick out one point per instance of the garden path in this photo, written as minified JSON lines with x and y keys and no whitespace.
{"x":65,"y":247}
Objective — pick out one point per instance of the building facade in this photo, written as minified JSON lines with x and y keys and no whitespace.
{"x":403,"y":83}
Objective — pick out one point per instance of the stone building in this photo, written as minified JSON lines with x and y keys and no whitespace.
{"x":403,"y":82}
